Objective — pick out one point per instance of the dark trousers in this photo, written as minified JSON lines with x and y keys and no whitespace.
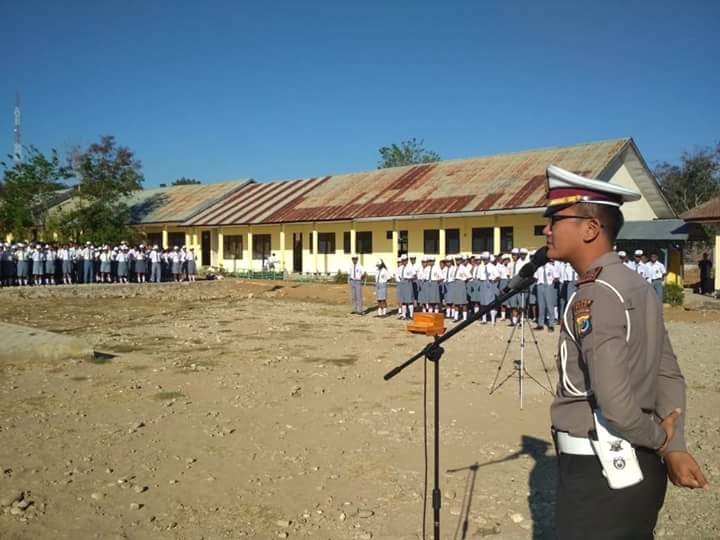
{"x":588,"y":509}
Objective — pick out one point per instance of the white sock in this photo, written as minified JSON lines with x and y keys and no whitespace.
{"x":464,"y":315}
{"x":493,"y":314}
{"x":514,"y":320}
{"x":484,"y":317}
{"x":411,"y":308}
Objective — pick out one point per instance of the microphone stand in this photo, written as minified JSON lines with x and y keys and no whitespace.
{"x":433,"y":352}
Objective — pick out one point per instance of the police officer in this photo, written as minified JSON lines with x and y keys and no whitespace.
{"x":621,"y":393}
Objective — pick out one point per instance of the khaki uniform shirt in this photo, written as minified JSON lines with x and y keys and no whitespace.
{"x":635,"y":382}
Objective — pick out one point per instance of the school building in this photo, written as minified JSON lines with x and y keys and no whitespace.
{"x":464,"y":206}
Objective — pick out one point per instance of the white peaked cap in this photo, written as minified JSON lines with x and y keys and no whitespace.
{"x":638,"y":252}
{"x":565,"y":188}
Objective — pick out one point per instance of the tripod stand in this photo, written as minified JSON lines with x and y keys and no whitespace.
{"x":519,"y":366}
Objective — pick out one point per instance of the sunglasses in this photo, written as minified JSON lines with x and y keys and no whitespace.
{"x":555,"y":218}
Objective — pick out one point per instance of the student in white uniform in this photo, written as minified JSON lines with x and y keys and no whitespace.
{"x":155,"y":265}
{"x":190,"y":262}
{"x":356,"y":274}
{"x":461,"y":276}
{"x":406,"y":277}
{"x":656,"y":275}
{"x":433,"y":295}
{"x":382,"y":277}
{"x":640,"y":264}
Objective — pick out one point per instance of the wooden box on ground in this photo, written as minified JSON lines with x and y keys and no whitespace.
{"x":430,"y":324}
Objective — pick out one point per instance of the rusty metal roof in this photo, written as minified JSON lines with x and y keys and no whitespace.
{"x":708,"y":211}
{"x":177,"y":203}
{"x":502,"y":182}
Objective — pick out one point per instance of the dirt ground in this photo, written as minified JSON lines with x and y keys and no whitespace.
{"x":258,"y":409}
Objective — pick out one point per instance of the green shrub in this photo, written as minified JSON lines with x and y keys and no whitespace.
{"x":341,"y":277}
{"x":674,"y":294}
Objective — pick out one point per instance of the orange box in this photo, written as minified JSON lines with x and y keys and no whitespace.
{"x":430,"y":324}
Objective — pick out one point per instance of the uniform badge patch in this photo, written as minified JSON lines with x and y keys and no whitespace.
{"x":583,"y":319}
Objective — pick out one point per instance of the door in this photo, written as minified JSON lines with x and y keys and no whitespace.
{"x":205,"y":247}
{"x":297,"y":252}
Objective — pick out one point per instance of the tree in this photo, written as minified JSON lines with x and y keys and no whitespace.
{"x":185,"y":181}
{"x":695,"y":180}
{"x":28,"y":189}
{"x":107,"y":173}
{"x":406,"y":153}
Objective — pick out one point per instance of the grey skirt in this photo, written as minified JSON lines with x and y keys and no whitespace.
{"x":22,"y":269}
{"x":122,"y":268}
{"x":50,"y":266}
{"x":66,"y":266}
{"x":380,"y":291}
{"x":191,"y":267}
{"x":105,"y":267}
{"x":503,"y":283}
{"x":405,"y":292}
{"x":139,"y":266}
{"x":488,"y":290}
{"x":473,"y":287}
{"x":176,"y":267}
{"x":421,"y":291}
{"x":458,"y":293}
{"x":38,"y":268}
{"x":432,"y":292}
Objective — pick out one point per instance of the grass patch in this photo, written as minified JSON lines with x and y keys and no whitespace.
{"x":166,"y":396}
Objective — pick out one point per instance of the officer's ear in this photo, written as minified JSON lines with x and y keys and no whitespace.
{"x":591,"y":230}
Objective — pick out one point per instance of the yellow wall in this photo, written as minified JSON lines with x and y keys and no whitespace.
{"x":330,"y":263}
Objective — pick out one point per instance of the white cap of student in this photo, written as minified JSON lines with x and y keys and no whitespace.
{"x":622,"y":254}
{"x":638,"y":252}
{"x":515,"y":251}
{"x":403,"y":257}
{"x":565,"y":189}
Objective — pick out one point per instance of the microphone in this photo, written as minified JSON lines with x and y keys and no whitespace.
{"x":525,"y":276}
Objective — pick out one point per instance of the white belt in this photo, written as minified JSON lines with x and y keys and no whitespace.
{"x":569,"y":444}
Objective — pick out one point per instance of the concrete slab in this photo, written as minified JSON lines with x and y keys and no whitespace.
{"x":25,"y":344}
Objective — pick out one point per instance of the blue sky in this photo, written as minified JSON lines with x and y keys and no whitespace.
{"x":285,"y":89}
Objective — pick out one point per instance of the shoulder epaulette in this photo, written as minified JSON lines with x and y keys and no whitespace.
{"x":590,"y":276}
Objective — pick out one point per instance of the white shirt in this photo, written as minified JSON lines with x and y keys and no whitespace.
{"x":492,"y":272}
{"x":408,"y":272}
{"x":642,"y":269}
{"x":569,"y":273}
{"x":631,"y":265}
{"x":450,"y":273}
{"x":656,"y":270}
{"x":436,"y":273}
{"x":382,"y":276}
{"x":462,"y":273}
{"x":356,"y":271}
{"x":502,"y":271}
{"x":154,"y":256}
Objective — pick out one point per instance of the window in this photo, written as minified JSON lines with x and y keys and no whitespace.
{"x":482,"y":240}
{"x":539,"y":230}
{"x":346,"y":242}
{"x":326,"y":242}
{"x":233,"y":247}
{"x":364,"y":241}
{"x":311,"y":238}
{"x":452,"y":241}
{"x":403,"y":241}
{"x":261,"y":246}
{"x":176,"y":239}
{"x":431,"y":241}
{"x":388,"y":235}
{"x":506,"y":238}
